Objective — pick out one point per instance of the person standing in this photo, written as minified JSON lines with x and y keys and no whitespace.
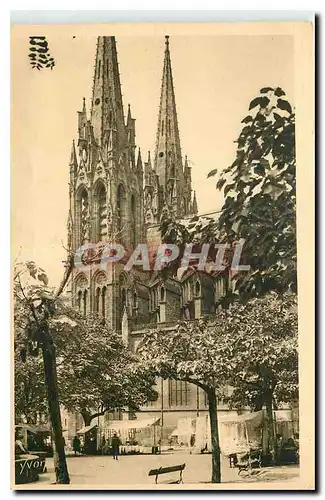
{"x":116,"y":446}
{"x":76,"y":445}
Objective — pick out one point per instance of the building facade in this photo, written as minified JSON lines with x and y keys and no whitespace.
{"x":117,"y":197}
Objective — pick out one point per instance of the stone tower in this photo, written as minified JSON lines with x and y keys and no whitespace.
{"x":106,"y":188}
{"x":168,"y":184}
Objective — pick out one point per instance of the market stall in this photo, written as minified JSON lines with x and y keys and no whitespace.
{"x":137,"y":436}
{"x":88,"y":438}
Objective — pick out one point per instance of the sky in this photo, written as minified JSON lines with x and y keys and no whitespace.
{"x":215,"y":78}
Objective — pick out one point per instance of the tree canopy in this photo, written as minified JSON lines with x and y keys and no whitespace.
{"x":259,"y":205}
{"x":96,"y":371}
{"x":246,"y":356}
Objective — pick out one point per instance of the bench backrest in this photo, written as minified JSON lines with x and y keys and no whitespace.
{"x":165,"y":470}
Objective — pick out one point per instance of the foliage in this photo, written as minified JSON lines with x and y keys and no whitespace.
{"x":247,"y":347}
{"x":260,"y":195}
{"x":30,"y":392}
{"x":260,"y":202}
{"x":262,"y":350}
{"x":39,"y":54}
{"x":96,"y":372}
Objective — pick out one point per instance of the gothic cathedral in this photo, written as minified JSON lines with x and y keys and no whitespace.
{"x":114,"y":195}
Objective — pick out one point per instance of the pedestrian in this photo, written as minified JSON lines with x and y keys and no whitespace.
{"x":76,"y":445}
{"x":192,"y":443}
{"x":278,"y":449}
{"x":116,"y":446}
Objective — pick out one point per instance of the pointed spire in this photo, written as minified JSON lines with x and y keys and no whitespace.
{"x":187,"y":170}
{"x":168,"y":156}
{"x":129,"y":117}
{"x":107,"y":104}
{"x":194,"y":205}
{"x":73,"y":155}
{"x":139,"y":160}
{"x":149,"y":160}
{"x":84,"y":105}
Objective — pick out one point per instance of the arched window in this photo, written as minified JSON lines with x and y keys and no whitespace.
{"x":162,"y":127}
{"x":104,"y":291}
{"x":121,"y":211}
{"x":97,"y":300}
{"x":100,"y":213}
{"x":133,"y":231}
{"x":79,"y":300}
{"x":85,"y":297}
{"x":162,"y":294}
{"x":123,"y":298}
{"x":82,"y":214}
{"x":197,"y":288}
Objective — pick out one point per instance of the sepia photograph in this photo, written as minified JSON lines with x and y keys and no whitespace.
{"x":162,"y":203}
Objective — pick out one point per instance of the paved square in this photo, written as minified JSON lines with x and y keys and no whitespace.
{"x":133,"y":469}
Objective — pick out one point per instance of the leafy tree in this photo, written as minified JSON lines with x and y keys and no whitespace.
{"x":30,"y":393}
{"x":250,"y":347}
{"x":193,"y":352}
{"x":35,"y":304}
{"x":260,"y":204}
{"x":262,"y":351}
{"x":39,"y":54}
{"x":97,"y":373}
{"x":260,"y":196}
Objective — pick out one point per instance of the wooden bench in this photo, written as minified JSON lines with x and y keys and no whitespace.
{"x":167,"y":470}
{"x":249,"y":462}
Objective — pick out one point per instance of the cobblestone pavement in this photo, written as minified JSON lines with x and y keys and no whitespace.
{"x":133,"y":469}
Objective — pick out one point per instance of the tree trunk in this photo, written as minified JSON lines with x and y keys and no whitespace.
{"x":215,"y":446}
{"x":60,"y":464}
{"x":270,"y":425}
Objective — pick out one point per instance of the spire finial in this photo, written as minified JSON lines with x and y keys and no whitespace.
{"x":129,"y":113}
{"x":84,"y":104}
{"x":139,"y":160}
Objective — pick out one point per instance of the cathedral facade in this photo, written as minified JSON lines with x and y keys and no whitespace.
{"x":117,"y":197}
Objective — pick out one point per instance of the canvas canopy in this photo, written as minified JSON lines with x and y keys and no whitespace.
{"x":86,"y":429}
{"x":238,"y":433}
{"x":122,"y":425}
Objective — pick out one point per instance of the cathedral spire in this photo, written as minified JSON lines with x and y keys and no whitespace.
{"x":129,"y":117}
{"x":194,"y":205}
{"x":139,"y":160}
{"x":107,"y":105}
{"x":73,"y":156}
{"x":168,"y":149}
